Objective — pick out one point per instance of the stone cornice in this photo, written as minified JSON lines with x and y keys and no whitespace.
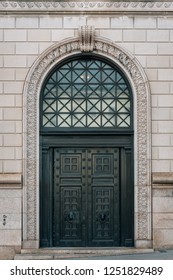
{"x":10,"y":181}
{"x":111,"y":7}
{"x":162,"y":178}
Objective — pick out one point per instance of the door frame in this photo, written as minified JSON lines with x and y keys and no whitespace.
{"x":142,"y":135}
{"x":126,"y":184}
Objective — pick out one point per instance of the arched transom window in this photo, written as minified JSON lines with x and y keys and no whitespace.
{"x":86,"y":93}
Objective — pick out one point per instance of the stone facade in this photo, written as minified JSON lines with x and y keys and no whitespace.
{"x":30,"y":32}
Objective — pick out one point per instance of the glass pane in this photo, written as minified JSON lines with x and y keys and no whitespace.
{"x":86,"y":93}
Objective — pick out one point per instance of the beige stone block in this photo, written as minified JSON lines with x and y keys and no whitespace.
{"x":7,"y":48}
{"x":171,"y":87}
{"x":166,"y":152}
{"x":159,"y":87}
{"x":7,"y":101}
{"x":158,"y":35}
{"x":19,"y":127}
{"x":154,"y":126}
{"x":44,"y":46}
{"x":27,"y":22}
{"x":7,"y":253}
{"x":21,"y":73}
{"x":15,"y":35}
{"x":10,"y":205}
{"x":50,"y":22}
{"x":1,"y":87}
{"x":160,"y":165}
{"x":162,"y":238}
{"x":13,"y":87}
{"x":99,"y":22}
{"x":10,"y":237}
{"x":1,"y":169}
{"x":1,"y":114}
{"x":7,"y":74}
{"x":142,"y":60}
{"x":12,"y":166}
{"x":30,"y":60}
{"x":18,"y":153}
{"x":155,"y":152}
{"x":1,"y":140}
{"x":160,"y":140}
{"x":146,"y":22}
{"x":171,"y":61}
{"x":7,"y":153}
{"x":11,"y":193}
{"x":12,"y":113}
{"x":27,"y":48}
{"x":152,"y":74}
{"x":171,"y":164}
{"x":147,"y":48}
{"x":164,"y":221}
{"x":7,"y":126}
{"x":1,"y":35}
{"x":122,"y":22}
{"x":58,"y":35}
{"x":165,"y":22}
{"x":1,"y":60}
{"x":15,"y":61}
{"x":165,"y":74}
{"x":13,"y":221}
{"x":158,"y":61}
{"x":7,"y":21}
{"x":114,"y":35}
{"x":163,"y":190}
{"x":134,"y":35}
{"x":74,"y":22}
{"x":160,"y":114}
{"x":163,"y":204}
{"x":39,"y":35}
{"x":171,"y":35}
{"x":18,"y":101}
{"x":14,"y":140}
{"x":165,"y":49}
{"x":165,"y":127}
{"x":165,"y":100}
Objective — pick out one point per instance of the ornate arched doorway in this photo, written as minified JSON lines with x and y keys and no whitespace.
{"x":86,"y":128}
{"x":142,"y":145}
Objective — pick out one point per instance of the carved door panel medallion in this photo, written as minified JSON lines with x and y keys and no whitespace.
{"x":86,"y":197}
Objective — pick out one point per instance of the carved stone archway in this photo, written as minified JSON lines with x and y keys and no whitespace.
{"x":142,"y":146}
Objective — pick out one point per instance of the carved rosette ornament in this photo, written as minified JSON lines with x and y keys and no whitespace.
{"x":133,"y":70}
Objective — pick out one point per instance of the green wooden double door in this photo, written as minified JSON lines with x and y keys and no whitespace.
{"x":86,"y":194}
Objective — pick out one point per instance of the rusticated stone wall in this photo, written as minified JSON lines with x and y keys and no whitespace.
{"x":28,"y":30}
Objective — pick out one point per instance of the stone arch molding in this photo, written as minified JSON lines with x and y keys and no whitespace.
{"x":141,"y":93}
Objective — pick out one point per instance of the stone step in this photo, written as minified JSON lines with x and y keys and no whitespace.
{"x":70,"y":253}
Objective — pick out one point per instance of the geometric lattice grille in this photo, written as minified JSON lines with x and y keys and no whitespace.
{"x":86,"y":93}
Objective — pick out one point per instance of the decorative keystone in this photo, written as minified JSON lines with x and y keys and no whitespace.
{"x":86,"y":38}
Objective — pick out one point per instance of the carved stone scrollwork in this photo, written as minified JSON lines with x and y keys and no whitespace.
{"x":34,"y":81}
{"x":86,"y":38}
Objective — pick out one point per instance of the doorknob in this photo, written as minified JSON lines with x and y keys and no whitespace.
{"x":71,"y":216}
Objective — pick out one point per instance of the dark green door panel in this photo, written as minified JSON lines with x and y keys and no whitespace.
{"x":85,"y":193}
{"x":86,"y":197}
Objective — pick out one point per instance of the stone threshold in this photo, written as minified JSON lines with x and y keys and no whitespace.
{"x":70,"y":253}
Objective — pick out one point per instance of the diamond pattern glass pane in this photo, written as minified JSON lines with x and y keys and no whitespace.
{"x":86,"y":93}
